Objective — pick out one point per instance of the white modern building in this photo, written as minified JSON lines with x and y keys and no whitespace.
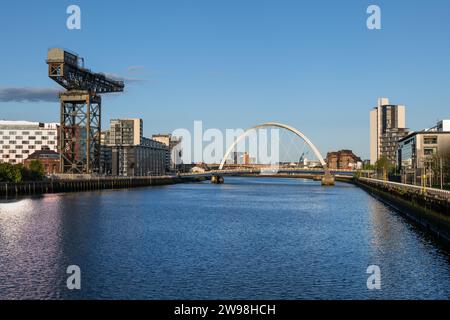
{"x":19,"y":139}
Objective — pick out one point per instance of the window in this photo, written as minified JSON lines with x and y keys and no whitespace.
{"x":12,"y":133}
{"x":32,"y":137}
{"x":5,"y":146}
{"x":38,"y":133}
{"x":19,"y":138}
{"x":25,"y":142}
{"x":44,"y":138}
{"x":12,"y":142}
{"x":51,"y":142}
{"x":38,"y":142}
{"x":429,"y":140}
{"x":18,"y":156}
{"x":25,"y":133}
{"x":31,"y":147}
{"x":19,"y":147}
{"x":6,"y":138}
{"x":429,"y":151}
{"x":25,"y":151}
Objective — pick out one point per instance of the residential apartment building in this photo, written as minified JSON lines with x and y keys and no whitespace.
{"x":131,"y":153}
{"x":387,"y":127}
{"x":416,"y":151}
{"x":19,"y":139}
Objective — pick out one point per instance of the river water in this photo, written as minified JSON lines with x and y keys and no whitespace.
{"x":251,"y":238}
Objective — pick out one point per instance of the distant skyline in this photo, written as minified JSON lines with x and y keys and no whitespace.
{"x":234,"y":64}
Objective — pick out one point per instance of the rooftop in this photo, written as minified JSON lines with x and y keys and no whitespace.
{"x":44,"y":154}
{"x":26,"y":123}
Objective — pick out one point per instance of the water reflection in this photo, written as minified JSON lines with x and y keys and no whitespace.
{"x":248,"y":239}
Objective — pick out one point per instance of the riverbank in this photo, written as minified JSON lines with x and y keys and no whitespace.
{"x":429,"y":208}
{"x":77,"y":184}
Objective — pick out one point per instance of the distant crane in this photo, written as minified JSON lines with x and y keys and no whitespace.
{"x":80,"y":117}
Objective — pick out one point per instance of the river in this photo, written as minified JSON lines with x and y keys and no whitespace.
{"x":251,"y":238}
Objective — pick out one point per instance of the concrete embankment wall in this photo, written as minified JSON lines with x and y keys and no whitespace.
{"x":428,"y":208}
{"x":75,"y":185}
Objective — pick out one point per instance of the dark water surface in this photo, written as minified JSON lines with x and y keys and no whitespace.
{"x":251,"y":238}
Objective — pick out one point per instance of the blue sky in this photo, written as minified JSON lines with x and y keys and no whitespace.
{"x":232,"y":64}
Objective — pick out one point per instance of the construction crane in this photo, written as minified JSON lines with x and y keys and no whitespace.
{"x":80,"y":117}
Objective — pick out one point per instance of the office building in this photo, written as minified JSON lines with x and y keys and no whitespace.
{"x":387,"y":127}
{"x":19,"y":139}
{"x":131,"y":153}
{"x":416,"y":151}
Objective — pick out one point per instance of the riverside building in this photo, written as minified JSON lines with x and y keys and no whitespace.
{"x":20,"y":139}
{"x":418,"y":150}
{"x":131,"y":153}
{"x":387,"y":127}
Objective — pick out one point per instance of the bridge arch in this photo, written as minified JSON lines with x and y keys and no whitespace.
{"x":278,"y":125}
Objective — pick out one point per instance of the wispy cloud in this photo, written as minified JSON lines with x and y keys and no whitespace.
{"x":135,"y":68}
{"x":125,"y":79}
{"x":27,"y":94}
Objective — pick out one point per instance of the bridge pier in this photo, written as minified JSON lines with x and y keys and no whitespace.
{"x":217,"y":179}
{"x":328,"y":179}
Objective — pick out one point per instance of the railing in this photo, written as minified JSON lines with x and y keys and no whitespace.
{"x":245,"y":170}
{"x":419,"y":189}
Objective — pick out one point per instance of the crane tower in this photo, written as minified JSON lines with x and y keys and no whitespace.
{"x":80,"y":117}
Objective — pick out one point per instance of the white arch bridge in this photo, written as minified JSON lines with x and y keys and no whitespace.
{"x":217,"y":175}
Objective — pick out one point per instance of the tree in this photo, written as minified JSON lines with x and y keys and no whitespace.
{"x":369,"y":166}
{"x":440,"y":166}
{"x":34,"y":172}
{"x":384,"y":167}
{"x":10,"y":173}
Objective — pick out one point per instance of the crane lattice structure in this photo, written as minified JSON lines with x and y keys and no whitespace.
{"x":80,"y":129}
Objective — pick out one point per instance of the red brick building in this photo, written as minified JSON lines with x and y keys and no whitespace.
{"x":343,"y":159}
{"x":50,"y":161}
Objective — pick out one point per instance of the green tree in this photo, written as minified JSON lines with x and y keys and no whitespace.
{"x":369,"y":166}
{"x":10,"y":173}
{"x":384,"y":167}
{"x":36,"y":170}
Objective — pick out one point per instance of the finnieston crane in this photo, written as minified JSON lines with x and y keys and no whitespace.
{"x":80,"y":130}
